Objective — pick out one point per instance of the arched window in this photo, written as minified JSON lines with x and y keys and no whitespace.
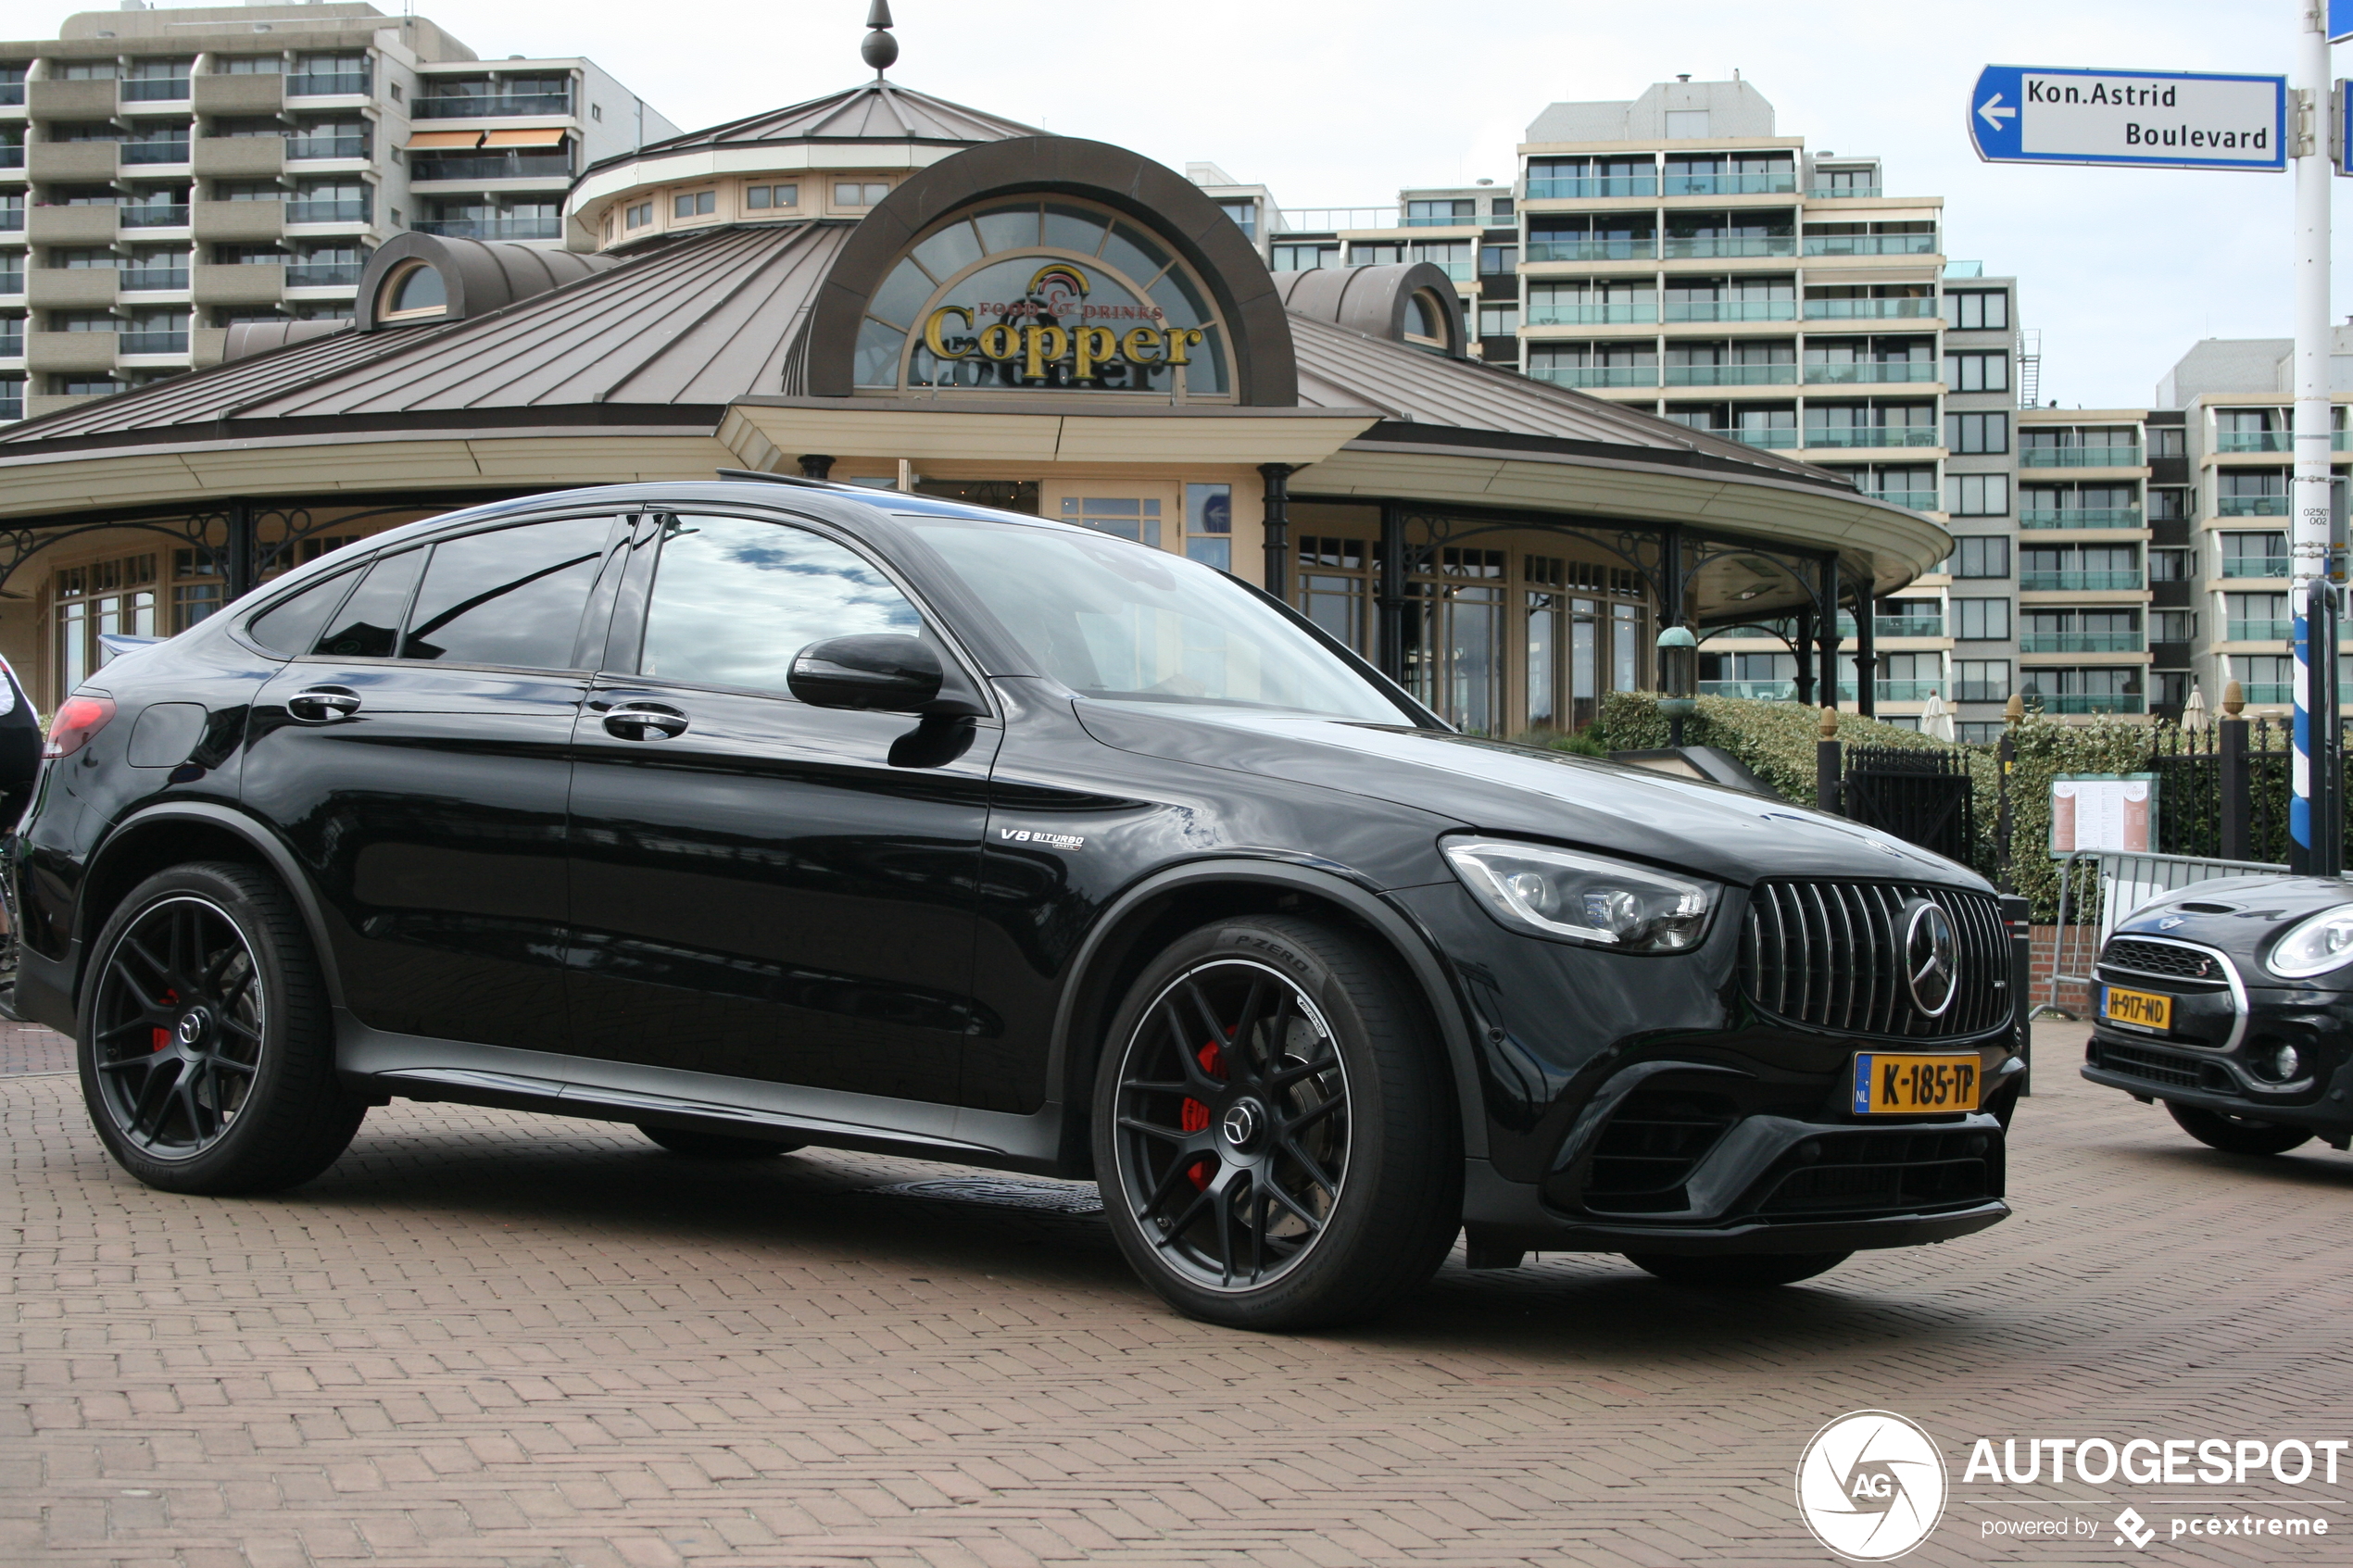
{"x":414,"y":292}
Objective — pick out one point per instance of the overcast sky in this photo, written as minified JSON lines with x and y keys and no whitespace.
{"x":1338,"y":103}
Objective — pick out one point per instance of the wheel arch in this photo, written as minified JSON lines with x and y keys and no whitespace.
{"x":178,"y":833}
{"x":1156,"y":910}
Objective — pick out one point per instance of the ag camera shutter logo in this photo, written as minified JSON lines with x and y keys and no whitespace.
{"x":1871,"y":1486}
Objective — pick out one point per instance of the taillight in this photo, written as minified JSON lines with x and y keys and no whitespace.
{"x":78,"y":719}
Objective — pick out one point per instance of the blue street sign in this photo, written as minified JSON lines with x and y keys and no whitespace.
{"x":2343,"y":101}
{"x":2340,"y":21}
{"x":2149,"y":118}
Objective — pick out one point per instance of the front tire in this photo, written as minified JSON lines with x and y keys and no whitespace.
{"x":206,"y":1057}
{"x":1274,"y":1128}
{"x":2235,"y":1134}
{"x":1738,"y":1270}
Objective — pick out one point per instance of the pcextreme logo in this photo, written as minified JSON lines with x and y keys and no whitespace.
{"x":1871,"y":1486}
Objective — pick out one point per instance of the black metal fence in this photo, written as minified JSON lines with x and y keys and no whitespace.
{"x":2223,"y":792}
{"x":1924,"y":797}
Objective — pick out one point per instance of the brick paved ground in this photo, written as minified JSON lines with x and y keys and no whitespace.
{"x":488,"y":1338}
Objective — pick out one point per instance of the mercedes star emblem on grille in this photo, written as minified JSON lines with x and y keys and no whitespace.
{"x":1931,"y":955}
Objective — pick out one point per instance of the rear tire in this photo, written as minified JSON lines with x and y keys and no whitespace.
{"x":2235,"y":1134}
{"x":714,"y":1146}
{"x":206,"y":1057}
{"x":1738,"y":1270}
{"x":1274,"y":1128}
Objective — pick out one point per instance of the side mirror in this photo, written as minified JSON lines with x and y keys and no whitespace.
{"x":881,"y":671}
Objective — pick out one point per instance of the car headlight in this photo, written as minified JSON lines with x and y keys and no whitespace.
{"x":1575,"y":898}
{"x":2314,"y":945}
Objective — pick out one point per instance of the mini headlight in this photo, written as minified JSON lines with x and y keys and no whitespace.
{"x":2314,"y":945}
{"x":1575,"y":898}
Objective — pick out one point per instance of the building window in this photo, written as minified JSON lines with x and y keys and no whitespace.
{"x":2269,"y":678}
{"x":1973,"y":731}
{"x":2172,"y":625}
{"x":1981,"y":679}
{"x":1335,"y":585}
{"x":2168,"y":566}
{"x":1977,"y":495}
{"x":1375,"y":253}
{"x":1426,"y":214}
{"x":1978,"y":373}
{"x":103,"y":597}
{"x":853,"y":194}
{"x":597,"y":113}
{"x":762,"y":198}
{"x":1126,"y":516}
{"x":1498,"y":320}
{"x":1982,"y":556}
{"x":2255,"y":554}
{"x":1209,"y":526}
{"x":1498,"y":261}
{"x":2168,"y":505}
{"x":639,"y":216}
{"x":1973,"y":434}
{"x":1973,"y":310}
{"x":2168,"y":441}
{"x":1305,"y":257}
{"x":695,"y":204}
{"x":1982,"y":621}
{"x":393,"y":87}
{"x":1245,"y":213}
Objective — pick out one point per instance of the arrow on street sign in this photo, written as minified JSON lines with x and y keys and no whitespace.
{"x":2152,"y":118}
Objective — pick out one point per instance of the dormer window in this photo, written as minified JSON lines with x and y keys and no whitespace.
{"x":694,"y":204}
{"x":413,"y":293}
{"x":848,"y":192}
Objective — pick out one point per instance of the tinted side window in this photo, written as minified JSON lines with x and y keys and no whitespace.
{"x":512,"y":595}
{"x":368,"y":624}
{"x":292,"y":625}
{"x":734,"y":601}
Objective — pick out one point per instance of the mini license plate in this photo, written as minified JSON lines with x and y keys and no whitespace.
{"x":1888,"y":1085}
{"x":2140,"y":1009}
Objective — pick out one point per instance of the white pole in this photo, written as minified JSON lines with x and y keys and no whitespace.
{"x":2310,"y":494}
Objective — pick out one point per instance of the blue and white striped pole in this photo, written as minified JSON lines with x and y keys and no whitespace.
{"x":2310,"y":502}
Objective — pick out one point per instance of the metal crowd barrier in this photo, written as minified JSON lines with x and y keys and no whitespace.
{"x":2126,"y":881}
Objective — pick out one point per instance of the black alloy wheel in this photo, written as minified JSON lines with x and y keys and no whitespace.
{"x":1274,"y":1133}
{"x":697,"y":1144}
{"x":2233,"y":1134}
{"x":204,"y":1052}
{"x":1737,"y":1271}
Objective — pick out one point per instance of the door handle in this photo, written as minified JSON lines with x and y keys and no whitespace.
{"x":322,"y":706}
{"x":645,"y":721}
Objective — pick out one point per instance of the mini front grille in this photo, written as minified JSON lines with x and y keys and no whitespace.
{"x":2159,"y":1067}
{"x":2160,"y":957}
{"x":1650,"y":1146}
{"x":1830,"y":954}
{"x":1870,"y":1172}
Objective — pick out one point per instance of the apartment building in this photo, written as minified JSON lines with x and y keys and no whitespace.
{"x":167,"y":173}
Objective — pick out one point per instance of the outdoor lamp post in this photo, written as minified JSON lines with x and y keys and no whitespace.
{"x":1678,"y":678}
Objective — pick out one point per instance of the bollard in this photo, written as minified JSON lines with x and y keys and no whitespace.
{"x":1827,"y":771}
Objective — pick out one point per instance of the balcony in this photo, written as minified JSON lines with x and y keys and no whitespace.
{"x":558,"y":166}
{"x":1868,"y":309}
{"x":141,"y":279}
{"x":239,"y":283}
{"x":1729,"y":184}
{"x":1872,"y":435}
{"x":1592,"y":250}
{"x":2080,"y":517}
{"x":73,"y":288}
{"x":1688,"y":246}
{"x":2258,"y":630}
{"x":1871,"y":244}
{"x":1907,"y":626}
{"x":323,"y":275}
{"x":488,"y":105}
{"x":56,"y":98}
{"x":1559,"y":375}
{"x":1580,"y":315}
{"x":1594,"y":186}
{"x":2080,"y":642}
{"x":71,"y":352}
{"x":1917,"y":500}
{"x":1732,"y":310}
{"x":2082,"y":702}
{"x":2282,"y":693}
{"x":1427,"y":220}
{"x":1903,"y":691}
{"x":247,"y":222}
{"x":156,"y":152}
{"x":328,"y":146}
{"x":12,"y":156}
{"x":2255,"y":566}
{"x":2252,"y":505}
{"x":337,"y":212}
{"x":241,"y":157}
{"x":154,"y":90}
{"x":326,"y":84}
{"x":155,"y":215}
{"x":2077,"y":581}
{"x":1780,"y":438}
{"x":1731,"y":375}
{"x":12,"y":341}
{"x":2254,"y":440}
{"x":1753,"y":691}
{"x":2080,"y":457}
{"x":154,"y":343}
{"x":1870,"y":373}
{"x":1838,"y":193}
{"x":239,"y":94}
{"x":1981,"y":691}
{"x":74,"y":163}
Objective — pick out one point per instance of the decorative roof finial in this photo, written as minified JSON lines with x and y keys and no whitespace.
{"x":880,"y":49}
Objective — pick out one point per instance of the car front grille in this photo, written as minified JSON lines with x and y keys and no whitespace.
{"x":2160,"y":957}
{"x":2158,"y":1067}
{"x":1650,"y":1146}
{"x":1875,"y":1172}
{"x":1830,"y":954}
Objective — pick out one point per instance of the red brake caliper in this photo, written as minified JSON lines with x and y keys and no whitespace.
{"x":159,"y":1038}
{"x":1194,"y":1116}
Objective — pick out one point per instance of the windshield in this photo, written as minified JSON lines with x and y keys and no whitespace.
{"x":1116,"y":621}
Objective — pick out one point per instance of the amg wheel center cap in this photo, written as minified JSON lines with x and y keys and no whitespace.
{"x":193,"y":1025}
{"x":1240,"y":1127}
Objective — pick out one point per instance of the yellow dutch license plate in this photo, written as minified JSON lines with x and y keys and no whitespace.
{"x":1889,"y":1085}
{"x":2140,"y":1009}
